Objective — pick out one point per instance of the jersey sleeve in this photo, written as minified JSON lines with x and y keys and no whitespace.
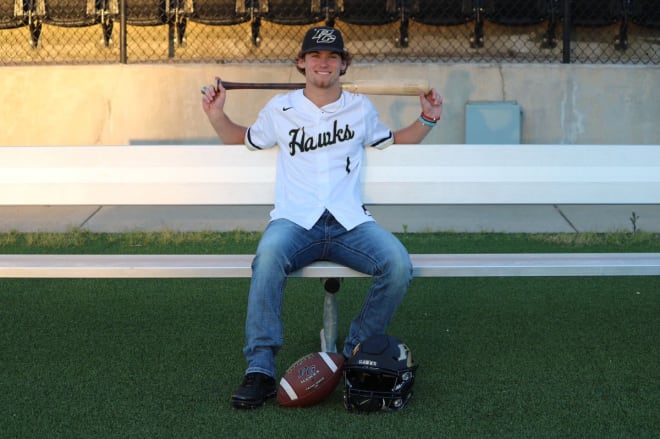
{"x":379,"y":135}
{"x":262,"y":133}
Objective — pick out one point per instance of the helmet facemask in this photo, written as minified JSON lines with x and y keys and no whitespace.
{"x":379,"y":376}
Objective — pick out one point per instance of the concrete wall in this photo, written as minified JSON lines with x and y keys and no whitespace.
{"x":134,"y":104}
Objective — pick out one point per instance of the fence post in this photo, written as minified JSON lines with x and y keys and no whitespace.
{"x":566,"y":34}
{"x":122,"y":32}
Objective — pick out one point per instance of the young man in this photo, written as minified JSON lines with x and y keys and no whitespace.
{"x":321,"y":132}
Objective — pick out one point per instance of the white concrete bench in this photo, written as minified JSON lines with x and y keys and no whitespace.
{"x":399,"y":175}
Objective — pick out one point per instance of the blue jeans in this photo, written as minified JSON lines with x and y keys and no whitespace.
{"x":286,"y":247}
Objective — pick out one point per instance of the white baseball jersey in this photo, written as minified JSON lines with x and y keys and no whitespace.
{"x":320,"y":156}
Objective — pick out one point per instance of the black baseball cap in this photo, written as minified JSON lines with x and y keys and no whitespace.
{"x":323,"y":38}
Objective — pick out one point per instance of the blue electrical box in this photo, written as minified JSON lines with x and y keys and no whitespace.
{"x":493,"y":122}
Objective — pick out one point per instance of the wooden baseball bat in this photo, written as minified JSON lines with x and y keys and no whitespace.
{"x":397,"y":87}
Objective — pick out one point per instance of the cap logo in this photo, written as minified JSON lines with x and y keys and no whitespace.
{"x":324,"y":36}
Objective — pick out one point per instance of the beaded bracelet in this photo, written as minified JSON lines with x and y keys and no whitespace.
{"x":429,"y":118}
{"x":426,"y":122}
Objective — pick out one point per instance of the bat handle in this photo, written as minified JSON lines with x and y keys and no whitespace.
{"x":228,"y":85}
{"x":261,"y":85}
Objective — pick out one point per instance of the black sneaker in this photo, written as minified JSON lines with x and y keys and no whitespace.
{"x":254,"y":391}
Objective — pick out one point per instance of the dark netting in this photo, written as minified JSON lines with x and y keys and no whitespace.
{"x":190,"y":31}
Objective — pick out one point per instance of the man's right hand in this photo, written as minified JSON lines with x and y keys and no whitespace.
{"x":213,"y":99}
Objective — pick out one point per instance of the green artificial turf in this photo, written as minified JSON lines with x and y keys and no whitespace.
{"x":499,"y":357}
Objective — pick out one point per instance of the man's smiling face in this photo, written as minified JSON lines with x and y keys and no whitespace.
{"x":322,"y":68}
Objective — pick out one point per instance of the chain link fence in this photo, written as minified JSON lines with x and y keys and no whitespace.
{"x":232,"y":31}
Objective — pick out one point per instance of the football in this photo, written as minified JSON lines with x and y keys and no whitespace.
{"x":310,"y":380}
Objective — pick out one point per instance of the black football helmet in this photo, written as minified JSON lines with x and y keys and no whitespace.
{"x":379,"y":376}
